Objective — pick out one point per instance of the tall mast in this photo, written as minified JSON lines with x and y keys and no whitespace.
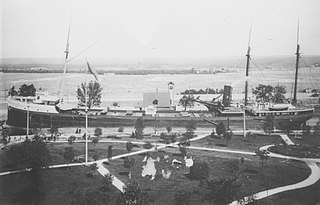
{"x":294,"y":100}
{"x":247,"y":70}
{"x":64,"y":65}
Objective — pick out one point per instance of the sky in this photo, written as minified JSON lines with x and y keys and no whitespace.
{"x":174,"y":29}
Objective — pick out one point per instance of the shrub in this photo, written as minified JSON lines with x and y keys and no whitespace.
{"x":139,"y":127}
{"x":128,"y":162}
{"x":98,"y":132}
{"x":169,"y":129}
{"x":183,"y":150}
{"x":95,"y":157}
{"x":95,"y":141}
{"x":220,"y":129}
{"x":71,"y":139}
{"x":108,"y":178}
{"x":109,"y":155}
{"x":147,"y":145}
{"x":129,"y":146}
{"x":200,"y":170}
{"x":120,"y":129}
{"x":133,"y":195}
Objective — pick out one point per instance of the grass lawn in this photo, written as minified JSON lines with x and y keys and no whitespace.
{"x":59,"y":185}
{"x":306,"y":196}
{"x":238,"y":142}
{"x":312,"y":140}
{"x":257,"y":177}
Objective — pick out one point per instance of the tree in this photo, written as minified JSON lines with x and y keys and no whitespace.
{"x":268,"y":124}
{"x":27,"y":90}
{"x":95,"y":140}
{"x":109,"y":154}
{"x":129,"y":146}
{"x":94,"y":94}
{"x":12,"y":91}
{"x":263,"y":155}
{"x":94,"y":168}
{"x":279,"y":94}
{"x":183,"y":150}
{"x":169,"y":129}
{"x":98,"y":132}
{"x":68,"y":154}
{"x":220,"y":129}
{"x":115,"y":104}
{"x":228,"y":135}
{"x":128,"y":162}
{"x":191,"y":126}
{"x":4,"y":136}
{"x":139,"y":127}
{"x":53,"y":131}
{"x":263,"y":92}
{"x":71,"y":139}
{"x":186,"y":101}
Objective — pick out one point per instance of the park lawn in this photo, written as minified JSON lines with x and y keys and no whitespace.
{"x":307,"y":196}
{"x":100,"y":148}
{"x":273,"y":173}
{"x":312,"y":140}
{"x":250,"y":143}
{"x":59,"y":185}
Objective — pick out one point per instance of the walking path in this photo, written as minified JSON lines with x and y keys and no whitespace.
{"x":286,"y":139}
{"x":313,"y":177}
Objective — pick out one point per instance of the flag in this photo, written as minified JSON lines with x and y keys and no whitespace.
{"x":93,"y":71}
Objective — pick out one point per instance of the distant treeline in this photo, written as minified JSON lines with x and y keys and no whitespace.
{"x":201,"y":91}
{"x":101,"y":72}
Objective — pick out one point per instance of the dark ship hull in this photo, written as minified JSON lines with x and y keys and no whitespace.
{"x":18,"y":118}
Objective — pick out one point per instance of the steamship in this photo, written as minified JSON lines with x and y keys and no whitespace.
{"x":43,"y":111}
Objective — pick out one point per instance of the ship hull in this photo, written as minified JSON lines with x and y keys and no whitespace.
{"x":18,"y":118}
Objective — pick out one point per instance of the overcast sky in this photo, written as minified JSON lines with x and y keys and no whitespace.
{"x":129,"y":29}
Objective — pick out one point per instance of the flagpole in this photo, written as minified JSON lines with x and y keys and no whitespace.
{"x":86,"y":110}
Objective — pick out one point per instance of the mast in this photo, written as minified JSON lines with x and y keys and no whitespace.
{"x":294,"y":100}
{"x":247,"y":71}
{"x":86,"y":110}
{"x":64,"y":65}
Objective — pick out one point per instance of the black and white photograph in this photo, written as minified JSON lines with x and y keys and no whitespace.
{"x":160,"y":102}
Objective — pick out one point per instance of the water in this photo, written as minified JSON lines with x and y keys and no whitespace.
{"x":128,"y":89}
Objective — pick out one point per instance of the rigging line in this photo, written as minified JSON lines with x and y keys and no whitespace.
{"x":308,"y":73}
{"x":250,"y":33}
{"x":298,"y":29}
{"x":259,"y":71}
{"x":83,"y":51}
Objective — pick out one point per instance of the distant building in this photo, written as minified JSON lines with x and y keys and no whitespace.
{"x":158,"y":99}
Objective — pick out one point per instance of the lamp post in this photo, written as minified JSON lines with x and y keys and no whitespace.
{"x":244,"y":123}
{"x":27,"y":121}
